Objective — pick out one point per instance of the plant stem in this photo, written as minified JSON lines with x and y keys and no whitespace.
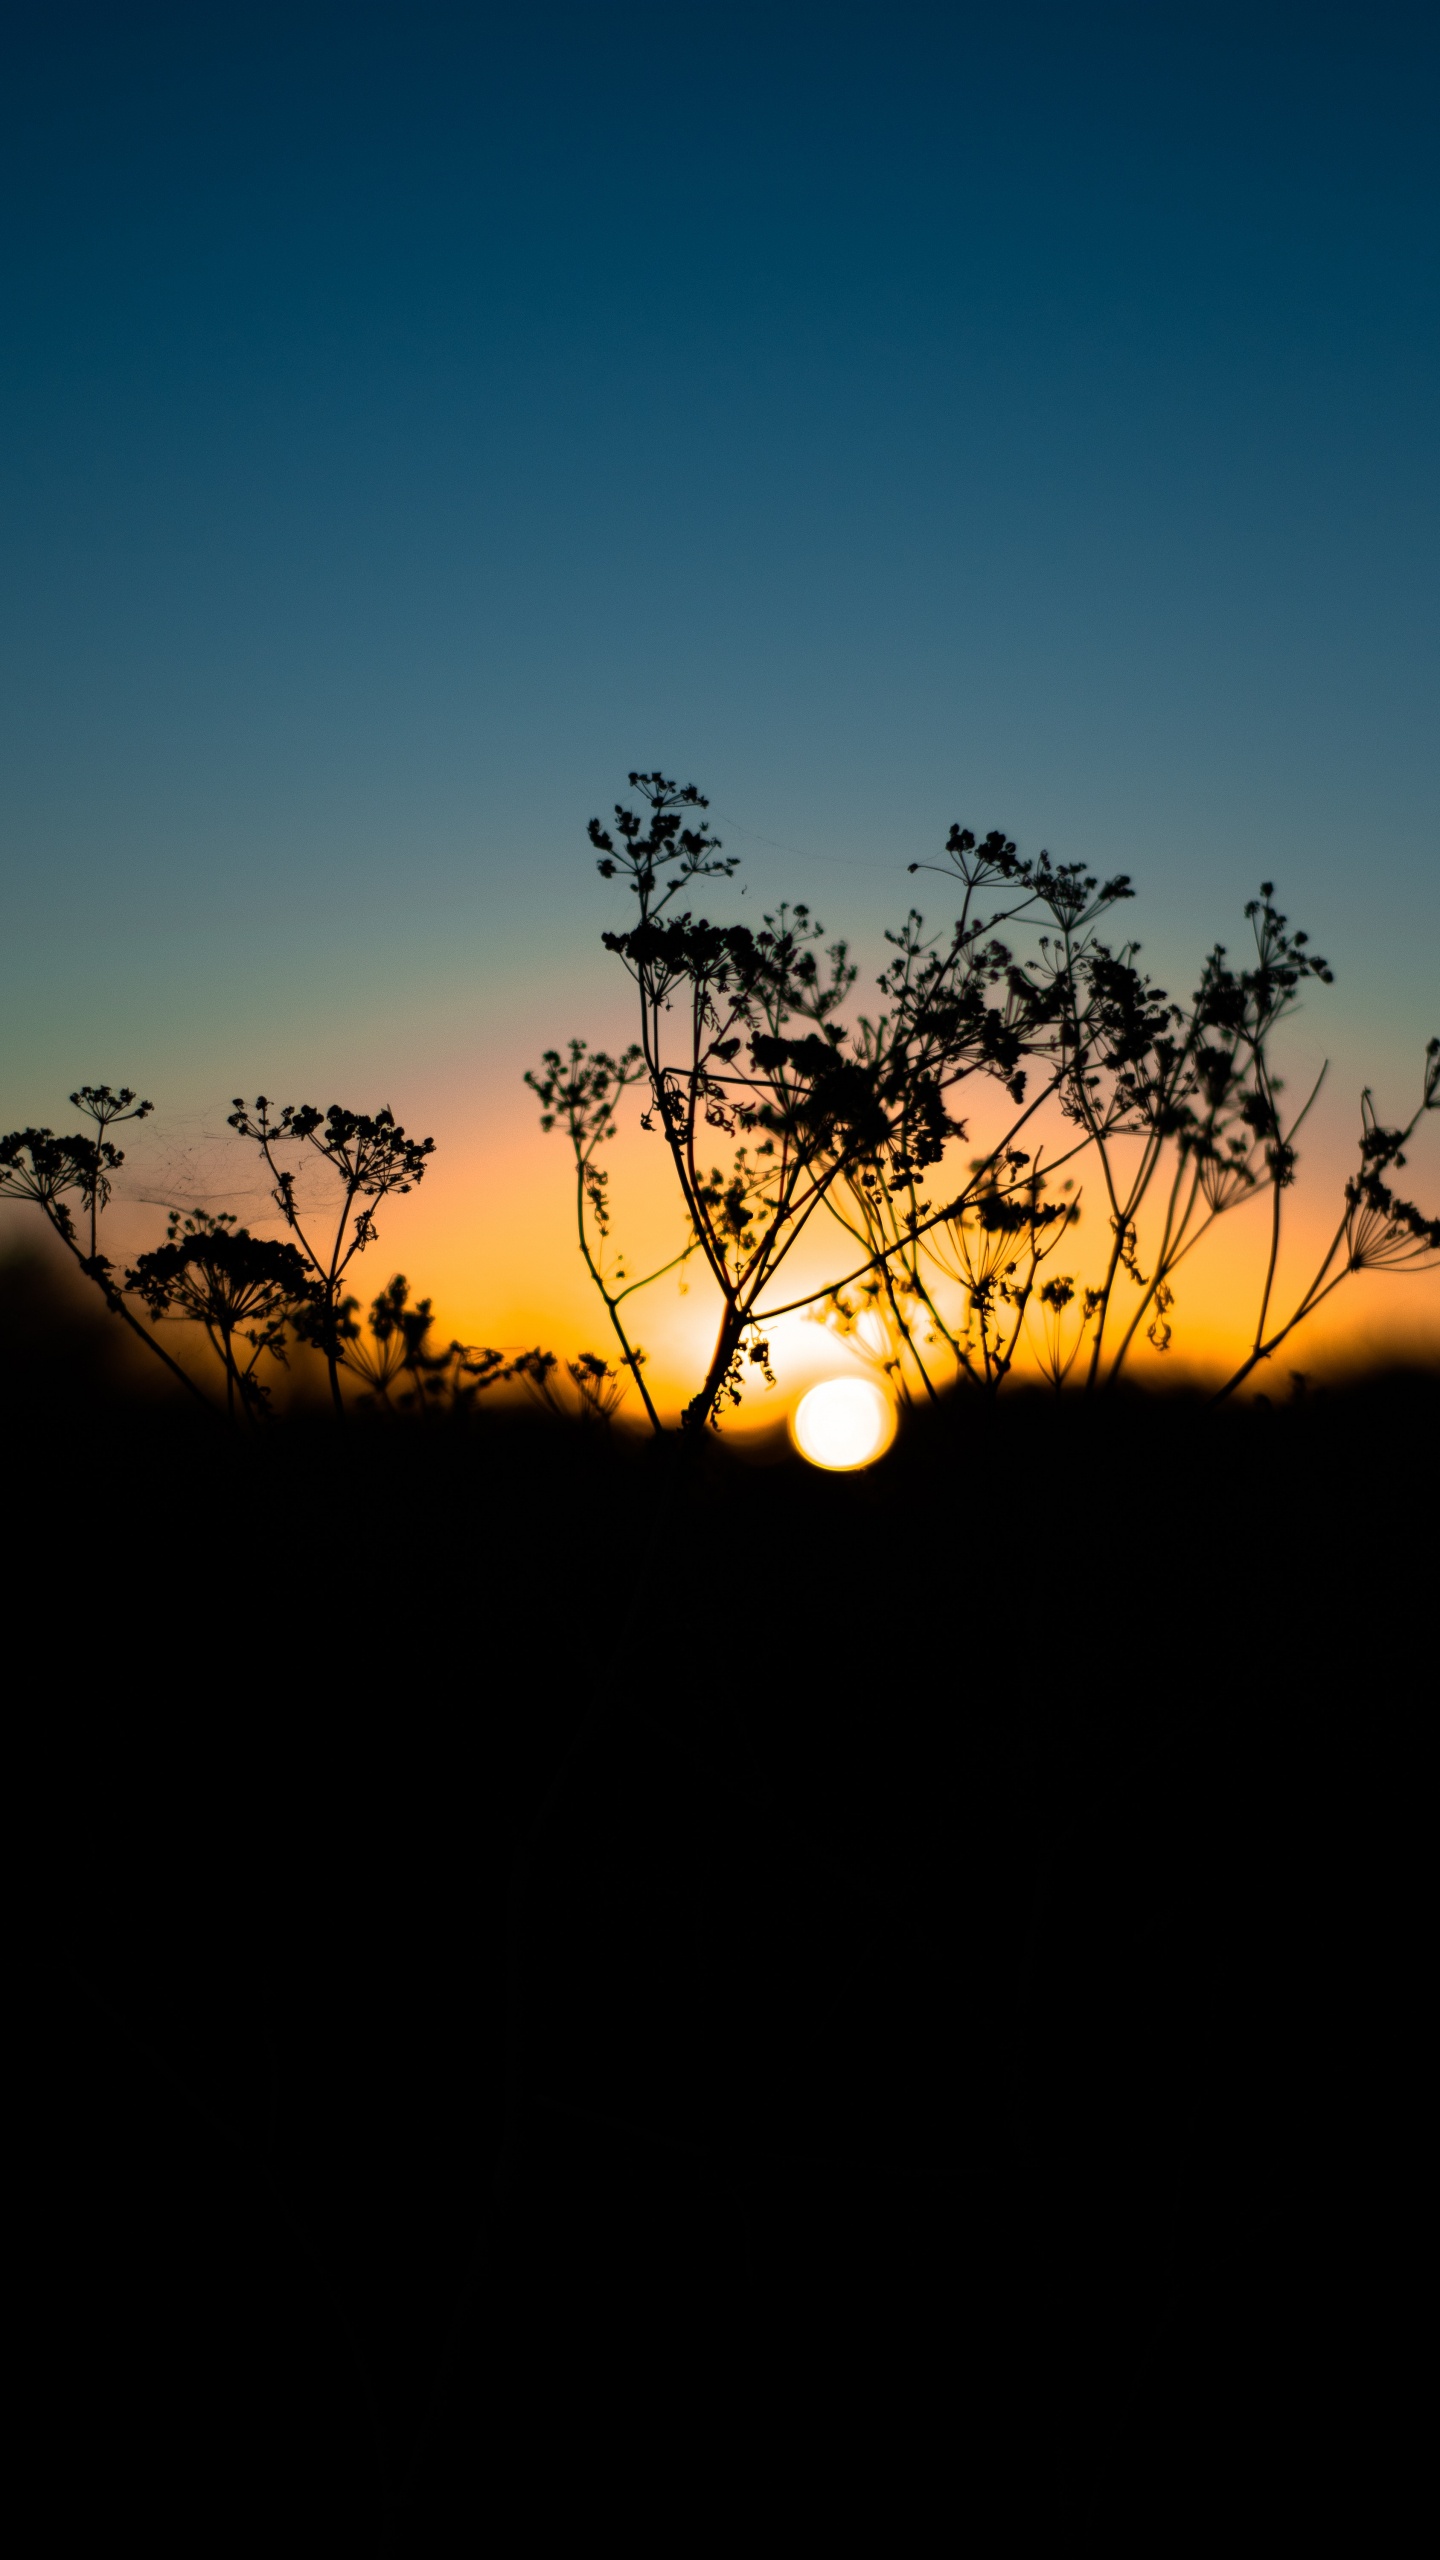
{"x":1313,"y":1298}
{"x":117,"y":1307}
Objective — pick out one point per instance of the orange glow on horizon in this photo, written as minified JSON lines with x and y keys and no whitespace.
{"x":489,"y":1236}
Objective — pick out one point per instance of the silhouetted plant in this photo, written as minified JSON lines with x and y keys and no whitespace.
{"x":107,"y":1109}
{"x":43,"y":1169}
{"x":992,"y":1245}
{"x":1378,"y":1230}
{"x":820,"y":1105}
{"x":398,"y":1349}
{"x":1064,"y":1317}
{"x":1196,"y":1084}
{"x":578,"y":1094}
{"x":743,"y":1054}
{"x":997,"y":1241}
{"x":1203,"y":1086}
{"x":252,"y":1296}
{"x":249,"y":1295}
{"x":244,"y":1291}
{"x":396,"y":1344}
{"x":370,"y":1157}
{"x":596,"y":1389}
{"x":740,"y":1033}
{"x":887,"y":1212}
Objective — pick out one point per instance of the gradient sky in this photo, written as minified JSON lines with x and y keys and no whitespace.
{"x":414,"y":416}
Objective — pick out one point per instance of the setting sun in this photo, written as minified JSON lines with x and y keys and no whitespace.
{"x":843,"y":1423}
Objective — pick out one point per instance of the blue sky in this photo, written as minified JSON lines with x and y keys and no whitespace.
{"x":415,"y":416}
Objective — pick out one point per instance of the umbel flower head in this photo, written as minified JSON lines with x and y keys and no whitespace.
{"x":1382,"y":1231}
{"x":241,"y":1288}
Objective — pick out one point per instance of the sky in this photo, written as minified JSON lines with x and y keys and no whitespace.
{"x":416,"y":416}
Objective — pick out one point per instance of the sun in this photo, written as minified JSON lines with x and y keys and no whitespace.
{"x":843,"y":1423}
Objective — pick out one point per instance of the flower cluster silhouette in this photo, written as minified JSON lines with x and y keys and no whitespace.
{"x":790,"y":1112}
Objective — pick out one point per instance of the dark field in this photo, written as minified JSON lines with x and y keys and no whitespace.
{"x":581,"y":1992}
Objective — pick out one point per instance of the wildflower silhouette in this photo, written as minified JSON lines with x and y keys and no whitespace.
{"x":249,"y":1295}
{"x":1178,"y":1109}
{"x":370,"y":1157}
{"x":885,"y":1209}
{"x":43,"y":1169}
{"x":107,"y":1109}
{"x":788,"y":1111}
{"x":998,"y":1239}
{"x":597,"y":1388}
{"x":1060,"y":1338}
{"x":1378,"y":1231}
{"x":398,"y":1349}
{"x":579,"y":1094}
{"x":1205,"y":1088}
{"x":244,"y":1291}
{"x":740,"y":1035}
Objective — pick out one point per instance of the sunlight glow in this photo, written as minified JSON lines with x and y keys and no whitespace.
{"x":843,"y":1423}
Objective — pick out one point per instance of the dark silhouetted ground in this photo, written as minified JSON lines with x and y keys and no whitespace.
{"x":580,"y":1993}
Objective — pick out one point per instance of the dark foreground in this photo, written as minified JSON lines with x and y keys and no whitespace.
{"x":584,"y":1995}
